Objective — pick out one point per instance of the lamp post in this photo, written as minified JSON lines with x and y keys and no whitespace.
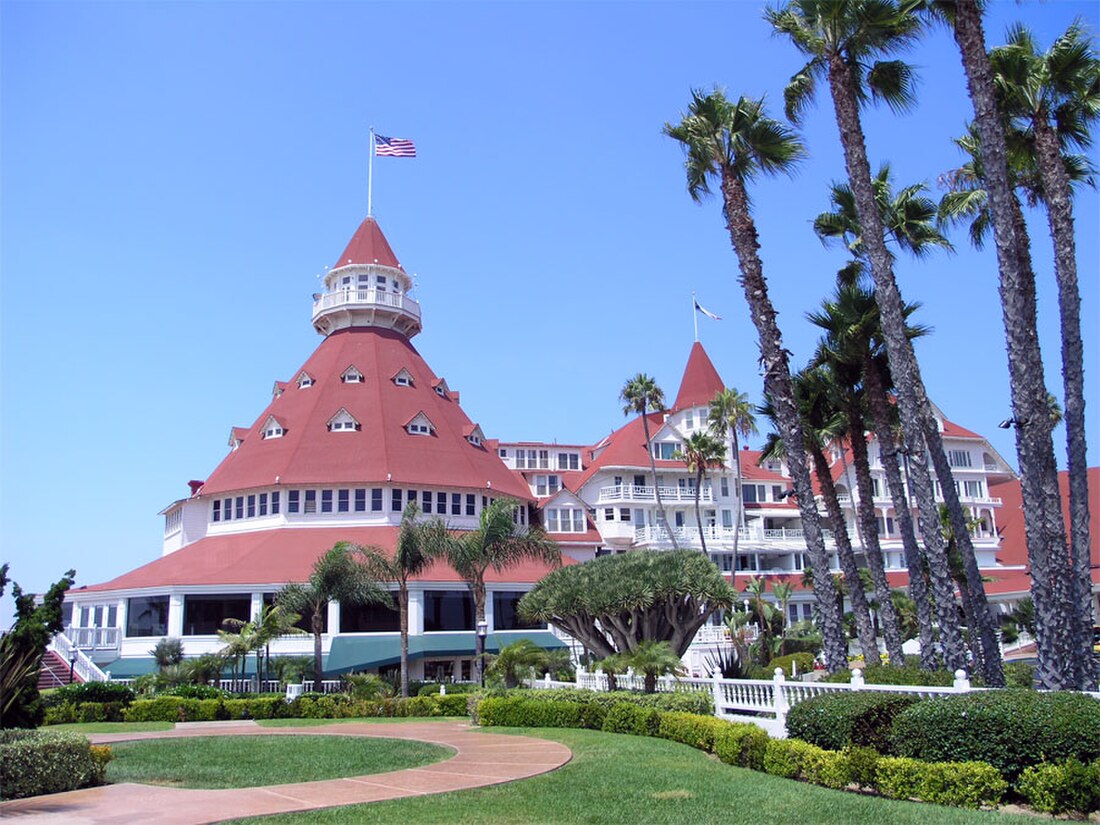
{"x":479,"y":654}
{"x":72,"y":667}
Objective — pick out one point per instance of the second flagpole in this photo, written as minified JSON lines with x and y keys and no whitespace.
{"x":370,"y":172}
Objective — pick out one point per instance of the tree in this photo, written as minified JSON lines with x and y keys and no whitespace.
{"x":653,"y":659}
{"x":167,"y":652}
{"x":515,"y":661}
{"x":731,"y":416}
{"x":255,"y":636}
{"x":701,"y":452}
{"x":498,"y":543}
{"x":613,"y":603}
{"x":843,"y":39}
{"x":337,"y":576}
{"x":411,"y":557}
{"x":22,"y":648}
{"x":732,"y":142}
{"x":639,"y":395}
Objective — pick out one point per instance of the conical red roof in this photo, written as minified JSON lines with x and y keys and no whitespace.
{"x":368,"y":246}
{"x":701,"y":381}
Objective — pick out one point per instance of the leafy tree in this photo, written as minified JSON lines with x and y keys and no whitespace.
{"x":498,"y":543}
{"x":514,"y":662}
{"x":731,"y":416}
{"x":167,"y":652}
{"x":730,"y":143}
{"x":256,"y":636}
{"x":22,"y":648}
{"x":652,"y":659}
{"x":701,"y":452}
{"x":337,"y":576}
{"x":639,"y":395}
{"x":614,"y":603}
{"x":411,"y":557}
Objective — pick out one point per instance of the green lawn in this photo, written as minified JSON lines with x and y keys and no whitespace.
{"x":641,"y":781}
{"x":377,"y":720}
{"x":247,"y":761}
{"x":112,"y":727}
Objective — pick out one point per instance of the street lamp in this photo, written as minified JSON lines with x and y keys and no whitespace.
{"x":72,"y":666}
{"x":479,"y":656}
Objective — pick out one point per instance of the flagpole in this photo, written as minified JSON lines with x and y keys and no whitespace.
{"x":695,"y":317}
{"x":370,"y":172}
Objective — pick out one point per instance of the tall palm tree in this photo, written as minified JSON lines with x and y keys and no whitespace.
{"x":731,"y":416}
{"x":411,"y":557}
{"x":255,"y":636}
{"x":497,"y":544}
{"x":1034,"y":446}
{"x":1054,"y":98}
{"x":337,"y":576}
{"x":639,"y":395}
{"x":652,"y":659}
{"x":701,"y":452}
{"x":843,"y":40}
{"x":731,"y":143}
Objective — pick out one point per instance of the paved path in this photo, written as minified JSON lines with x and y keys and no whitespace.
{"x":480,"y":759}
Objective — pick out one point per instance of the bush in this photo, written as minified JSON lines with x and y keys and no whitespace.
{"x":685,"y":702}
{"x":77,"y":693}
{"x":862,"y":765}
{"x":1066,"y":787}
{"x":911,"y":674}
{"x":794,"y":759}
{"x":520,"y":712}
{"x":432,"y":688}
{"x":451,"y":704}
{"x":836,"y":720}
{"x":625,"y":717}
{"x":959,"y":784}
{"x":1010,"y":729}
{"x":197,"y":692}
{"x":689,"y":729}
{"x":36,"y":762}
{"x":743,"y":745}
{"x":1019,"y":675}
{"x":805,"y":663}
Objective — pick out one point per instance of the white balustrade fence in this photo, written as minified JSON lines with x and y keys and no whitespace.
{"x":82,"y":666}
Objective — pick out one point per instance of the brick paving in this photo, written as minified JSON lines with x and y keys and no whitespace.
{"x":480,"y":759}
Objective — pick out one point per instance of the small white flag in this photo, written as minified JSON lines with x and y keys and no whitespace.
{"x":708,"y":313}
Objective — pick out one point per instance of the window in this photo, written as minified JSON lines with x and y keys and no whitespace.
{"x":748,"y":492}
{"x":352,"y":376}
{"x":624,"y":514}
{"x":369,"y":618}
{"x":565,"y":520}
{"x":958,"y":458}
{"x":777,"y":492}
{"x":724,"y":484}
{"x":310,"y":502}
{"x":456,"y":504}
{"x":227,"y":509}
{"x":973,"y":489}
{"x":203,"y":615}
{"x":727,"y":519}
{"x":503,"y":453}
{"x":360,"y":500}
{"x":272,"y":428}
{"x":885,"y":526}
{"x":448,"y":610}
{"x":547,"y":485}
{"x":263,"y":504}
{"x":665,"y":450}
{"x":471,"y":504}
{"x":426,"y":501}
{"x":569,"y":461}
{"x":506,"y":614}
{"x":217,"y":516}
{"x":441,"y":503}
{"x":876,"y":489}
{"x":326,"y":501}
{"x":395,"y":501}
{"x":147,"y":616}
{"x":442,"y":393}
{"x":474,"y":439}
{"x":239,"y":509}
{"x":376,"y":499}
{"x":305,"y":380}
{"x":403,"y":378}
{"x":345,"y":425}
{"x":608,"y":513}
{"x":252,"y":506}
{"x":275,"y":503}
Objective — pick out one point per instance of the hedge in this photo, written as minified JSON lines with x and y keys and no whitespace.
{"x":910,"y":674}
{"x":684,"y":702}
{"x":1010,"y":729}
{"x":805,"y":663}
{"x":959,"y":784}
{"x":836,"y":720}
{"x":85,"y":712}
{"x":1060,"y":788}
{"x":625,"y":717}
{"x":432,"y":688}
{"x":34,"y":762}
{"x":80,"y":692}
{"x":308,"y":706}
{"x":794,"y":759}
{"x":741,"y":744}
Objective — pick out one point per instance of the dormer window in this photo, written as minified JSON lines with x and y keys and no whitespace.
{"x":351,"y":376}
{"x":473,"y":434}
{"x":343,"y":422}
{"x":236,"y":437}
{"x":441,"y":388}
{"x":305,"y":380}
{"x":473,"y":439}
{"x":277,"y":390}
{"x":403,"y":378}
{"x":273,"y":428}
{"x":419,"y":425}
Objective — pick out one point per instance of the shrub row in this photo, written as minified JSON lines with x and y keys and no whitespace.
{"x":34,"y":762}
{"x":309,"y":706}
{"x":1068,"y":787}
{"x":836,"y":720}
{"x":686,"y":702}
{"x":79,"y":692}
{"x":569,"y":708}
{"x":961,"y":784}
{"x":432,"y":688}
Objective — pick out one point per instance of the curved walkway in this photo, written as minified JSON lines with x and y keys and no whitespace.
{"x":480,"y":759}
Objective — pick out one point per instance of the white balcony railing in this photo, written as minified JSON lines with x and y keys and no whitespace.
{"x":82,"y":666}
{"x":653,"y":535}
{"x":647,"y":494}
{"x":365,"y":298}
{"x":94,"y":638}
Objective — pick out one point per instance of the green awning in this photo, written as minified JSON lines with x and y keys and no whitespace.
{"x":350,"y":653}
{"x":130,"y":667}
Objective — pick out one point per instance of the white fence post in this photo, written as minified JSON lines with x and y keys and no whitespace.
{"x":857,"y":679}
{"x":780,"y":698}
{"x":961,"y":683}
{"x":579,"y":674}
{"x":716,"y":692}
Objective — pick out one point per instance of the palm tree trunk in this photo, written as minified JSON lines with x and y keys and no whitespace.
{"x":872,"y":550}
{"x":779,"y":390}
{"x":698,"y":514}
{"x":918,"y":587}
{"x":656,"y":486}
{"x":1059,"y":202}
{"x":318,"y":626}
{"x":477,"y":588}
{"x":1028,"y":390}
{"x":912,"y":402}
{"x":403,"y":608}
{"x":739,"y":507}
{"x":861,"y":611}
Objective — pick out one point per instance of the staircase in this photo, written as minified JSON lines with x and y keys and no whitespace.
{"x":54,"y":672}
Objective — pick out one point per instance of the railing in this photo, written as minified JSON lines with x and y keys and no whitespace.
{"x":94,"y":638}
{"x":652,"y":534}
{"x":365,"y":297}
{"x":647,"y":494}
{"x":249,"y":685}
{"x":82,"y":666}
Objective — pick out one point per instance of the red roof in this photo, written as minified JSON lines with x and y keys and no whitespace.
{"x":279,"y":556}
{"x":701,"y":382}
{"x":308,"y":453}
{"x":626,"y":448}
{"x":368,"y":246}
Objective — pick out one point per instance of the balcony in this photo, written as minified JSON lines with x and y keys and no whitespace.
{"x":635,"y":493}
{"x":348,"y":298}
{"x":93,"y":638}
{"x":722,"y":536}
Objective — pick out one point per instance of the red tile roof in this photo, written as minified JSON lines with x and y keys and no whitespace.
{"x":275,"y":557}
{"x":368,"y":246}
{"x":701,"y":382}
{"x":382,"y":450}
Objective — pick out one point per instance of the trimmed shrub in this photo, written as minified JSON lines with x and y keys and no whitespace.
{"x":685,"y":702}
{"x":1066,"y":787}
{"x":451,"y":705}
{"x":625,"y":717}
{"x":432,"y":688}
{"x":862,"y":765}
{"x":520,"y":712}
{"x":77,"y":693}
{"x":793,"y":759}
{"x":34,"y":762}
{"x":805,"y":663}
{"x":743,"y":745}
{"x":959,"y":784}
{"x":1019,"y":675}
{"x":911,"y":674}
{"x":197,"y":692}
{"x":690,"y":729}
{"x":1010,"y":729}
{"x":84,"y":712}
{"x":836,"y":720}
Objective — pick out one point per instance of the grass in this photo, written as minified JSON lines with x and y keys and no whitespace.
{"x":249,"y":761}
{"x":377,"y":720}
{"x":113,"y":727}
{"x":625,"y":779}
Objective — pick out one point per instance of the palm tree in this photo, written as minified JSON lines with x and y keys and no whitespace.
{"x":782,"y":590}
{"x":652,"y":659}
{"x":1034,"y":446}
{"x":272,"y":622}
{"x":731,"y":416}
{"x":843,"y":39}
{"x":411,"y":557}
{"x":732,"y":142}
{"x":1054,"y":97}
{"x":337,"y":576}
{"x":639,"y":395}
{"x":498,"y":543}
{"x":516,"y":661}
{"x":701,"y":451}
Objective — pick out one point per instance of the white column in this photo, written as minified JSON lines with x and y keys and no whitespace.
{"x":489,"y":616}
{"x":257,"y":607}
{"x":175,"y":615}
{"x":416,"y":612}
{"x":333,"y":618}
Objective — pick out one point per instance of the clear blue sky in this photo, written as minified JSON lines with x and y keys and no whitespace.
{"x":176,"y":175}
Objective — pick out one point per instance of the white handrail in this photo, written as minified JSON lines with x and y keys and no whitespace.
{"x":82,"y":666}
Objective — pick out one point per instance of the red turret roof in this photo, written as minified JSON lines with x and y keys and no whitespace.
{"x":368,"y":246}
{"x":381,"y":450}
{"x":701,"y":381}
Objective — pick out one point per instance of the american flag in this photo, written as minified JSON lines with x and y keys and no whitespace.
{"x":385,"y":147}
